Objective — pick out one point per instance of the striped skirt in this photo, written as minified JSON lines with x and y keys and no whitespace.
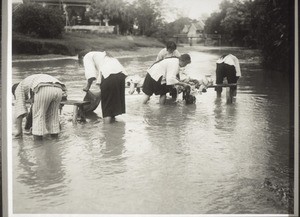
{"x":45,"y":110}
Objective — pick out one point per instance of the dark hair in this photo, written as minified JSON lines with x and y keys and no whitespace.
{"x":82,"y":53}
{"x":171,"y":45}
{"x":223,"y":56}
{"x":109,"y":54}
{"x":185,"y":57}
{"x":13,"y":89}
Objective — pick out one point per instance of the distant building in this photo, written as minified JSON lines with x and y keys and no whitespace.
{"x":77,"y":3}
{"x":192,"y":33}
{"x":75,"y":13}
{"x":74,"y":9}
{"x":194,"y":29}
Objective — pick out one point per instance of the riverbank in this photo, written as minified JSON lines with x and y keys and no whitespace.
{"x":26,"y":48}
{"x":248,"y":54}
{"x":72,"y":43}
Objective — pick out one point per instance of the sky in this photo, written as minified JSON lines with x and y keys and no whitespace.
{"x":192,"y":8}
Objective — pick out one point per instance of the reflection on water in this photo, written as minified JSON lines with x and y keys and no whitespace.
{"x":210,"y":157}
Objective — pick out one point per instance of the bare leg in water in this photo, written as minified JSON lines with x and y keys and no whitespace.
{"x":146,"y":98}
{"x":162,"y":99}
{"x":109,"y":120}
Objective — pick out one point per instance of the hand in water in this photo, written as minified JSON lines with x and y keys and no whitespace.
{"x":86,"y":89}
{"x":28,"y":132}
{"x":18,"y":135}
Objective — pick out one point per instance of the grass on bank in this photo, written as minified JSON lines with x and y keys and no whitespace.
{"x":73,"y":42}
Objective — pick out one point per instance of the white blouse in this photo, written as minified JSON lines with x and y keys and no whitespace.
{"x":167,"y":68}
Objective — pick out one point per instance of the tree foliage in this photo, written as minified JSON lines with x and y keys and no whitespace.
{"x":148,"y":16}
{"x":265,"y":24}
{"x":273,"y":24}
{"x":33,"y":19}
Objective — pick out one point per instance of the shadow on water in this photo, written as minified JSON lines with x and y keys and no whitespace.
{"x":43,"y":173}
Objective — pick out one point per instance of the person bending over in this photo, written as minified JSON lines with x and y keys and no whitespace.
{"x":162,"y":75}
{"x":228,"y":67}
{"x":110,"y":75}
{"x":47,"y":94}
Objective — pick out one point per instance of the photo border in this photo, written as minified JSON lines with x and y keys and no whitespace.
{"x":6,"y":117}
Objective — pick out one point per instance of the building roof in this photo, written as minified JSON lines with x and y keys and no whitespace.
{"x":199,"y":25}
{"x":193,"y":26}
{"x":185,"y":29}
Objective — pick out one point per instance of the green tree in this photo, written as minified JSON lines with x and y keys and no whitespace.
{"x":119,"y":13}
{"x":213,"y":23}
{"x":237,"y":21}
{"x":148,"y":16}
{"x":33,"y":19}
{"x":273,"y":24}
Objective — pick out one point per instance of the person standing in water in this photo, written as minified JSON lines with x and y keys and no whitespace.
{"x":162,"y":75}
{"x":228,"y":67}
{"x":109,"y":75}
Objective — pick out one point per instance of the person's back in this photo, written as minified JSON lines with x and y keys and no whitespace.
{"x":165,"y":68}
{"x":228,"y":67}
{"x":47,"y":92}
{"x":229,"y":61}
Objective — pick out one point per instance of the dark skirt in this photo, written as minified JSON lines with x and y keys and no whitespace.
{"x":225,"y":71}
{"x":151,"y":86}
{"x":113,"y":95}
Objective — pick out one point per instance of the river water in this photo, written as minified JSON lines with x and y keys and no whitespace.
{"x":206,"y":158}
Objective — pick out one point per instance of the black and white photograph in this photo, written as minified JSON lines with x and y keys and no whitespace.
{"x":160,"y":107}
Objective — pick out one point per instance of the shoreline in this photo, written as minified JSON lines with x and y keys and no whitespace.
{"x":141,"y":51}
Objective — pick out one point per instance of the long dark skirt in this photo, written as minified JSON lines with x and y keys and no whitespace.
{"x":225,"y":71}
{"x":113,"y":95}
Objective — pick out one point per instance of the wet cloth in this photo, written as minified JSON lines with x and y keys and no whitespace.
{"x":164,"y":54}
{"x":94,"y":98}
{"x":47,"y":97}
{"x":98,"y":64}
{"x":113,"y":95}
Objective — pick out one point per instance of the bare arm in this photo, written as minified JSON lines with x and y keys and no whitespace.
{"x":19,"y":126}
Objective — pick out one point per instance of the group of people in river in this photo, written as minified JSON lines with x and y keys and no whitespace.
{"x":46,"y":92}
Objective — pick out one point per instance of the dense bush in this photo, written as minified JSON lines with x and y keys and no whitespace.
{"x":264,"y":24}
{"x":21,"y":46}
{"x":35,"y":20}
